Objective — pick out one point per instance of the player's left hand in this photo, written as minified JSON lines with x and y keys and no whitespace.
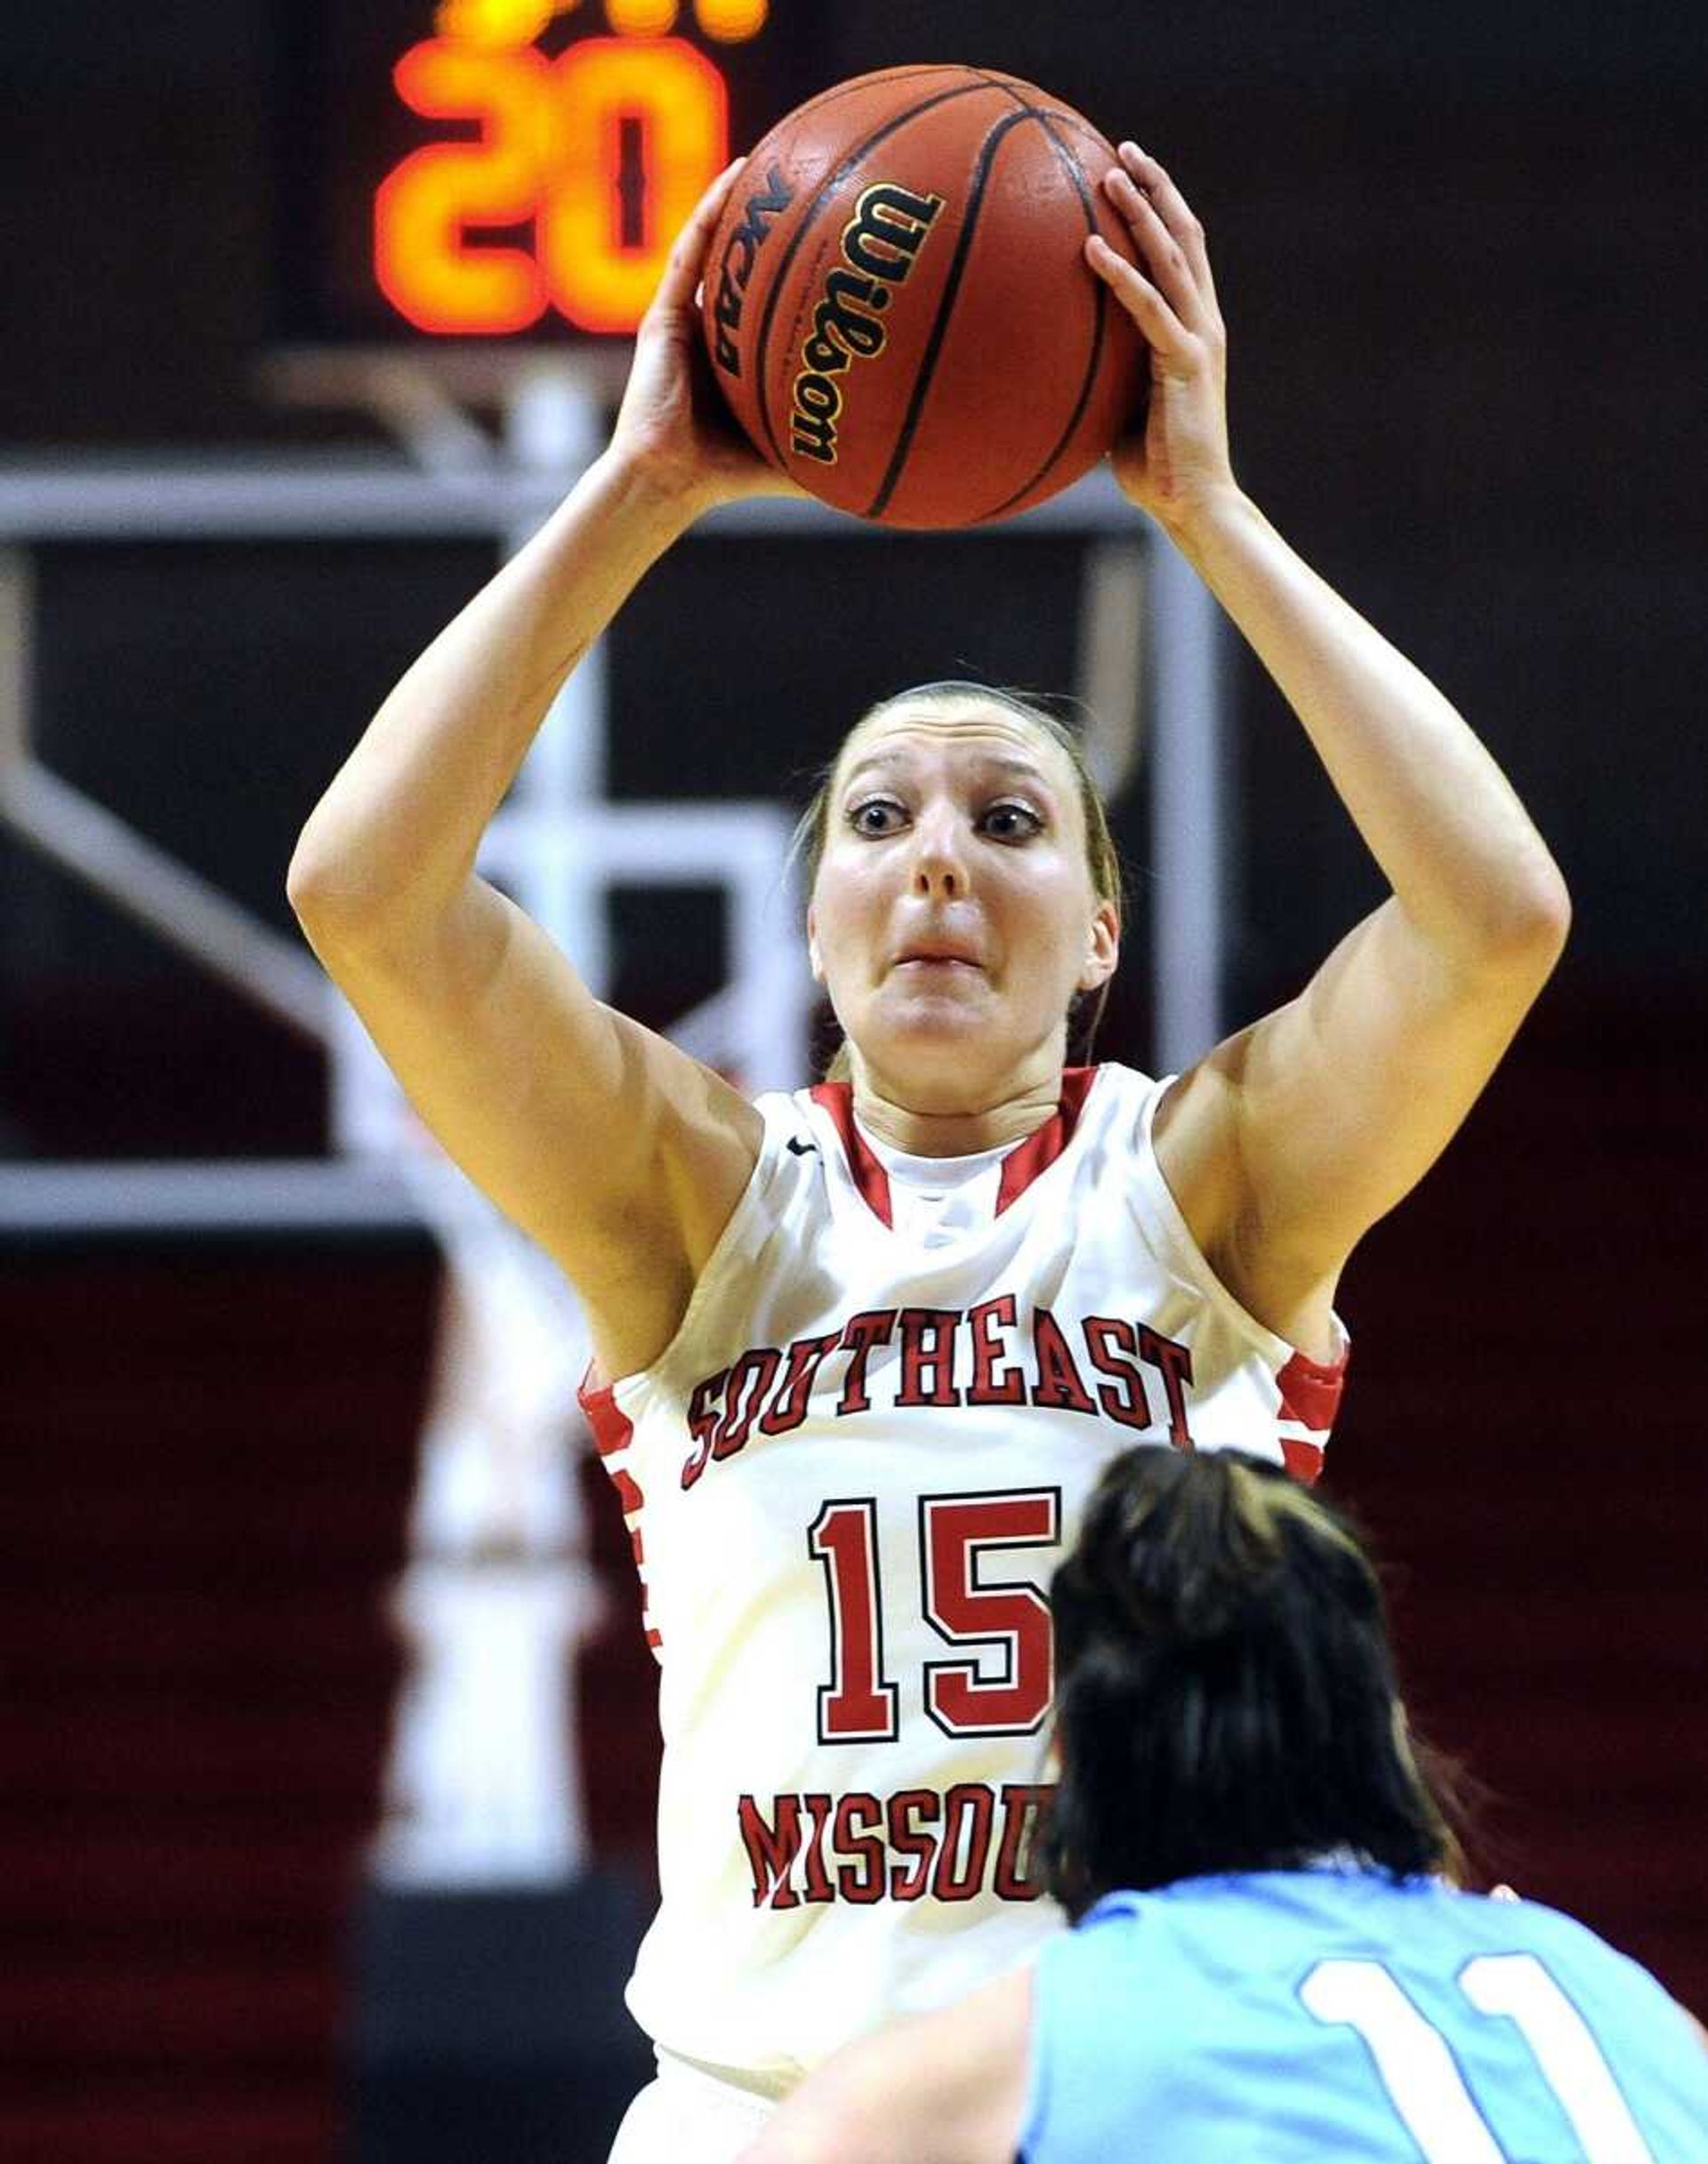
{"x":1178,"y":465}
{"x":673,"y":425}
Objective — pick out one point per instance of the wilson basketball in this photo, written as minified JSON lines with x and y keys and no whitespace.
{"x":898,"y":306}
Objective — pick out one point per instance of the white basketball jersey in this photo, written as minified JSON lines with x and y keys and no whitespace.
{"x":848,"y":1479}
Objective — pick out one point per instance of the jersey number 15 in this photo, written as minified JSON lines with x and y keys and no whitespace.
{"x":860,"y":1704}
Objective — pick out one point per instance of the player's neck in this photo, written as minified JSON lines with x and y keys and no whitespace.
{"x":949,"y":1131}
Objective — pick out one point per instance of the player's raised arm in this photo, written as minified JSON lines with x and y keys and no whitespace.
{"x":620,"y":1154}
{"x":1293,"y":1137}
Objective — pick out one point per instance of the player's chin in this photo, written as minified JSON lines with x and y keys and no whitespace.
{"x":949,"y":1036}
{"x":952,"y":1009}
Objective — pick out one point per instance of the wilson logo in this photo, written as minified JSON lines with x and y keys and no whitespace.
{"x":881,"y":244}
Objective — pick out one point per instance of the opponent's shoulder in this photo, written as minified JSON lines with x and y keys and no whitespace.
{"x":1556,"y":1937}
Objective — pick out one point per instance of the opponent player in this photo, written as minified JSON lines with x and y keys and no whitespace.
{"x":1267,"y":1960}
{"x":862,"y":1352}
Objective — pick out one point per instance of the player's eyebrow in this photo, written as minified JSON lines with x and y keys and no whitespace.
{"x":1014,"y":764}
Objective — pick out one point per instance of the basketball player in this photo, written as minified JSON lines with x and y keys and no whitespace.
{"x":1267,"y":1960}
{"x":861,"y":1351}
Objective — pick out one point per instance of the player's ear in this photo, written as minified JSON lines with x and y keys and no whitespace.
{"x":1102,"y":949}
{"x":814,"y":958}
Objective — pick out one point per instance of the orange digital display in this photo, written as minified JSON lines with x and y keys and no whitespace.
{"x":493,"y":170}
{"x":555,"y":184}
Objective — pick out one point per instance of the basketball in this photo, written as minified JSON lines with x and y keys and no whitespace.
{"x":896,"y":303}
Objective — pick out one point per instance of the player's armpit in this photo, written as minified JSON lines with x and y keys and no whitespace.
{"x":1293,"y":1137}
{"x":619,"y":1154}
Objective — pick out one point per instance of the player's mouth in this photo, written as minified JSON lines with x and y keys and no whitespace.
{"x":930,"y":962}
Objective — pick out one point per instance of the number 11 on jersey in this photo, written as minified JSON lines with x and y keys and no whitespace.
{"x":1416,"y":2067}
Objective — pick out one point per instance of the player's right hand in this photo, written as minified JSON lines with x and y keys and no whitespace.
{"x":673,"y":429}
{"x":1177,"y":466}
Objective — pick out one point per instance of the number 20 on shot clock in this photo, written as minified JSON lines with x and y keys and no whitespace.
{"x":562,"y":144}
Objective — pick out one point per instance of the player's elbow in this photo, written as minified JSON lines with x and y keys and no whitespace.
{"x":328,"y":902}
{"x":1511,"y":928}
{"x":345,"y":905}
{"x":311,"y":881}
{"x":1531,"y":926}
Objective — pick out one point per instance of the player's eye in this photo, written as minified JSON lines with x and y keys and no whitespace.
{"x":877,"y":815}
{"x":1009,"y":822}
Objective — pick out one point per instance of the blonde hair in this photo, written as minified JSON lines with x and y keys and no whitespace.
{"x":1102,"y":858}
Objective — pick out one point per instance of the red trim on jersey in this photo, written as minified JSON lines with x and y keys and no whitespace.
{"x":1021,"y":1167}
{"x":1310,"y":1391}
{"x":837,"y":1098}
{"x":1041,"y":1149}
{"x":1303,"y":1460}
{"x":613,"y":1431}
{"x":1310,"y":1394}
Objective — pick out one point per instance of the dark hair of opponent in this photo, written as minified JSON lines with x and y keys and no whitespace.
{"x":1226,"y":1697}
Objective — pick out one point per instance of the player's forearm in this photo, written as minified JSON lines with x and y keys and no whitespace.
{"x":393,"y":840}
{"x":1436,"y":813}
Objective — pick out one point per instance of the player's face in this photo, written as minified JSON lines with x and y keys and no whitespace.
{"x":954,"y":916}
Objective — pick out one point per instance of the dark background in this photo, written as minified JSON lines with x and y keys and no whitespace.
{"x":1459,"y":249}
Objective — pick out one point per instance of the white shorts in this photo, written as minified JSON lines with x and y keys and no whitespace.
{"x":685,"y":2116}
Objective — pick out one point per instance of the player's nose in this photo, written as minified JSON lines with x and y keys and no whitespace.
{"x":940,"y":865}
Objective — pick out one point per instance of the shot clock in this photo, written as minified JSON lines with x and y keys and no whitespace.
{"x":493,"y":170}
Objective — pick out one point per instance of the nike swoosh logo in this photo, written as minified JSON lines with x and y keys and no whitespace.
{"x":803,"y":1149}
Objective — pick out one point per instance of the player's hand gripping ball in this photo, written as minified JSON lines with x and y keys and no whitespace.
{"x":898,"y":305}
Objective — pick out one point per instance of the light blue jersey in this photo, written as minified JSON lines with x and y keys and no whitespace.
{"x":1279,"y":2017}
